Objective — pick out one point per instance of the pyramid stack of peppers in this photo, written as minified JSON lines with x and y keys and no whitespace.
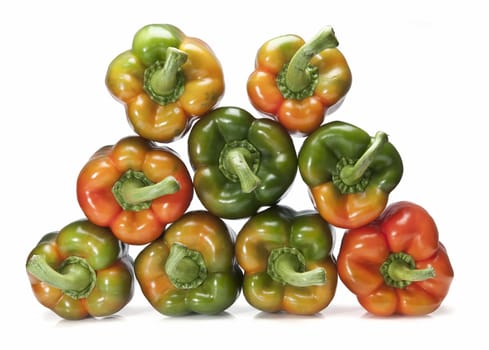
{"x":138,"y":191}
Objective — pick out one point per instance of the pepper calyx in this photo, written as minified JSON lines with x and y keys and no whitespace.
{"x":399,"y":271}
{"x":185,"y":267}
{"x":239,"y":161}
{"x":164,"y":81}
{"x":287,"y":266}
{"x":298,"y":79}
{"x":134,"y":191}
{"x":75,"y":277}
{"x":354,"y":175}
{"x":343,"y":187}
{"x":308,"y":90}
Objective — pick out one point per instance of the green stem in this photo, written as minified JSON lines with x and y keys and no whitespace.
{"x":185,"y":267}
{"x":236,"y":161}
{"x":351,"y":174}
{"x":75,"y":277}
{"x":239,"y":161}
{"x":298,"y":77}
{"x":134,"y":191}
{"x":135,"y":194}
{"x":287,"y":266}
{"x":399,"y":270}
{"x":164,"y":80}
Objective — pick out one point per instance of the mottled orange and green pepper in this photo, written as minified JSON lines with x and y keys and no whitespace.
{"x":288,"y":262}
{"x":81,"y":271}
{"x":165,"y":81}
{"x":349,"y":173}
{"x":191,"y":268}
{"x":298,"y":83}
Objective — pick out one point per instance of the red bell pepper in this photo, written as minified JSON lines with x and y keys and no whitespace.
{"x":396,"y":264}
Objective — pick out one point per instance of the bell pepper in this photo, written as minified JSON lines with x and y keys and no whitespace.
{"x":349,"y":173}
{"x":81,"y":271}
{"x":287,"y":261}
{"x":191,"y":268}
{"x":396,"y":264}
{"x":134,"y":187}
{"x":164,"y":81}
{"x":299,"y":83}
{"x":241,"y":163}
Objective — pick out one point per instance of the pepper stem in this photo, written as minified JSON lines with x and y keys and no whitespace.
{"x":399,"y":270}
{"x":75,"y":277}
{"x":164,"y":81}
{"x":185,"y":267}
{"x":239,"y":161}
{"x":351,"y":174}
{"x":287,"y":265}
{"x":298,"y":77}
{"x":134,"y":191}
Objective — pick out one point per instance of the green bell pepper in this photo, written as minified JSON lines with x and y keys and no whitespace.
{"x":191,"y":268}
{"x":81,"y":271}
{"x":241,"y":163}
{"x":350,"y":174}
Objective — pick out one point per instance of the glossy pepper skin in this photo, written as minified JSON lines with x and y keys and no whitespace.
{"x":241,"y":163}
{"x":191,"y":268}
{"x":350,"y":174}
{"x":134,"y":187}
{"x":396,"y":264}
{"x":298,"y":82}
{"x":287,"y":261}
{"x":164,"y":81}
{"x":81,"y":271}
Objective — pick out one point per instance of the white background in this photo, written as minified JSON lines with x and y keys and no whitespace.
{"x":419,"y":74}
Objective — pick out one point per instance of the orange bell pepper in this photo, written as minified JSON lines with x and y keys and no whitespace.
{"x":134,"y":187}
{"x":396,"y":264}
{"x":298,"y":82}
{"x":165,"y":80}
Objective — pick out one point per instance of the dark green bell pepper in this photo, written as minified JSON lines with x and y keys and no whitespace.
{"x":350,"y":174}
{"x":241,"y":163}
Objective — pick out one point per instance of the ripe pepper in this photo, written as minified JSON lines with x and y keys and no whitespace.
{"x":241,"y":163}
{"x":81,"y":271}
{"x":191,"y":268}
{"x":298,"y":82}
{"x":165,"y":80}
{"x":287,"y":261}
{"x":396,"y":264}
{"x":349,"y":173}
{"x":134,"y":187}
